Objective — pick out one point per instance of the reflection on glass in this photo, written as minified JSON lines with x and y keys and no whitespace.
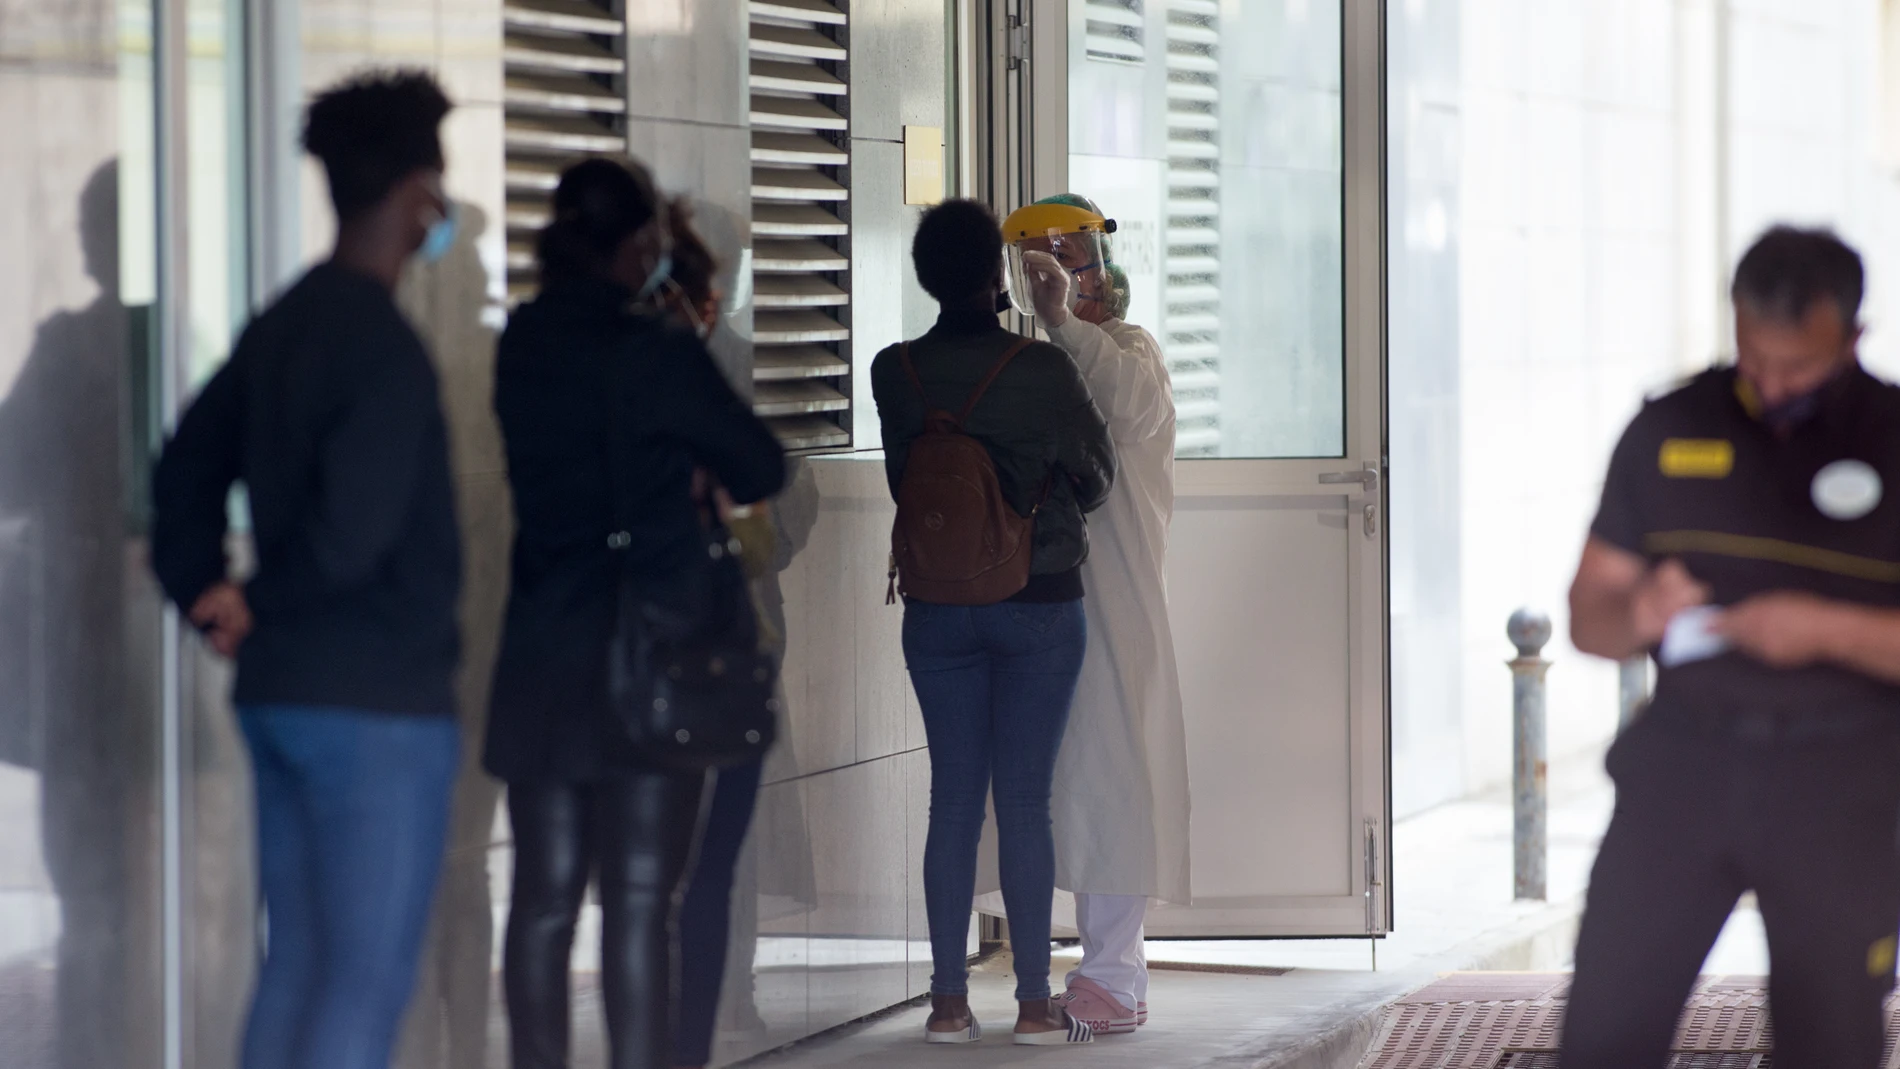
{"x":772,"y":892}
{"x":1211,"y":132}
{"x":448,"y":1022}
{"x":218,"y":834}
{"x":215,"y":130}
{"x":79,"y":894}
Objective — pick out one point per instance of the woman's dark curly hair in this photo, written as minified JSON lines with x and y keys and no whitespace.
{"x":598,"y":203}
{"x":694,"y":265}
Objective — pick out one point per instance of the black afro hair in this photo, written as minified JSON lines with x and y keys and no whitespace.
{"x":372,"y":131}
{"x":958,"y":251}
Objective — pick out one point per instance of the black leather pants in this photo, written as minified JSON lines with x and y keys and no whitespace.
{"x":636,"y":831}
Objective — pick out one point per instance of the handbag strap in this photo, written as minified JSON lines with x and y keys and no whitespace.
{"x":618,"y":446}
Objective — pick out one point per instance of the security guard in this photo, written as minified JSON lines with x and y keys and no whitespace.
{"x":1749,"y":536}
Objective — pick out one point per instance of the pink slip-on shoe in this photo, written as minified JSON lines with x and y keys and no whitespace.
{"x":1090,"y":1003}
{"x":1141,"y":1014}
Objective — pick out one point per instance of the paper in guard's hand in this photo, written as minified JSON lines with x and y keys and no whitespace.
{"x":1691,"y":637}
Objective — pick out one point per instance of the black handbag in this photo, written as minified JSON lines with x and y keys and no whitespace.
{"x":689,"y":685}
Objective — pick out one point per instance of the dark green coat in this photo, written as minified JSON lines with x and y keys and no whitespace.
{"x":1037,"y":420}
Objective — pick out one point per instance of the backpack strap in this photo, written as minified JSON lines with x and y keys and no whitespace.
{"x":983,"y":386}
{"x":903,"y":354}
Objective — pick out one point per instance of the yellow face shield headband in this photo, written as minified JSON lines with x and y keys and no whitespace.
{"x":1074,"y":236}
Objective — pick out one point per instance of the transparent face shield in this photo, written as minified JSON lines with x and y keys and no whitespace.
{"x":1080,"y":254}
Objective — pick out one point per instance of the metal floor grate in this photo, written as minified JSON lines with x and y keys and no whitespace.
{"x":1515,"y":1020}
{"x":1547,"y":1059}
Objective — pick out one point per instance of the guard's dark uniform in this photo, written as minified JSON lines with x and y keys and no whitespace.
{"x":1741,"y":776}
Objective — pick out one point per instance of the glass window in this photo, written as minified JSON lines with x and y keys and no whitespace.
{"x":79,"y":621}
{"x":215,"y":138}
{"x":1212,"y":133}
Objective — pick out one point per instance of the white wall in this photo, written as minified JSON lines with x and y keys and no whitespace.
{"x":1600,"y":200}
{"x":1565,"y":297}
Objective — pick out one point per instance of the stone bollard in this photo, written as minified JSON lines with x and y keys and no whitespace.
{"x":1528,"y":631}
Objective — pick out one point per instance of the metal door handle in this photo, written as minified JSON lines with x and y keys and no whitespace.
{"x":1367,"y":477}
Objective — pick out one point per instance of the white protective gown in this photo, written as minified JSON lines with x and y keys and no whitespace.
{"x":1121,"y":786}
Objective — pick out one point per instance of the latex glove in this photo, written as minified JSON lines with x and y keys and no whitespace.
{"x":1049,"y":285}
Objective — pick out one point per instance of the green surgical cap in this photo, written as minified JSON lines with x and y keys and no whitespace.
{"x":1117,"y":278}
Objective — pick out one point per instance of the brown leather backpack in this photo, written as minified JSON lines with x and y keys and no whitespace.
{"x":956,"y":541}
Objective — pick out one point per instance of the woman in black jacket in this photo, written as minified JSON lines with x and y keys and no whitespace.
{"x":588,"y":353}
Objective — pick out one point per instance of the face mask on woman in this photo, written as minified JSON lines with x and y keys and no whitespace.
{"x":661,"y":274}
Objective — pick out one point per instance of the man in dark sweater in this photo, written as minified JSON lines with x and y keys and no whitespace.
{"x":345,"y":637}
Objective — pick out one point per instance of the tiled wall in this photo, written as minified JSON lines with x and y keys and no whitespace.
{"x":840,"y":827}
{"x":1566,"y":302}
{"x":1423,"y":405}
{"x":828,"y":917}
{"x":828,"y":925}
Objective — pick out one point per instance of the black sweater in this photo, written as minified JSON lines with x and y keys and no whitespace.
{"x":329,"y":413}
{"x":556,"y":389}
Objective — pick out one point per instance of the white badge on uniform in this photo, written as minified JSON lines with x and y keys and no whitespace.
{"x":1847,"y":489}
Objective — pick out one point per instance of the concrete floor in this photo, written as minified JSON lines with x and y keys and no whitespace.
{"x":1454,"y":910}
{"x":1199,"y":1019}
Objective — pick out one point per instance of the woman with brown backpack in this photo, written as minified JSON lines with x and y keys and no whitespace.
{"x":995,"y":452}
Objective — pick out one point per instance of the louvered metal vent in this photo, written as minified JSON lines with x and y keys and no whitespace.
{"x":563,"y":98}
{"x":800,"y":222}
{"x":1192,"y":262}
{"x":1116,"y":30}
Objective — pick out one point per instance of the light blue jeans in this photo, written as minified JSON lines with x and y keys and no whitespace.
{"x":352,"y":818}
{"x":994,"y":683}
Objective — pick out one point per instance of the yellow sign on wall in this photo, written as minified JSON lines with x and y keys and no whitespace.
{"x":923,"y":165}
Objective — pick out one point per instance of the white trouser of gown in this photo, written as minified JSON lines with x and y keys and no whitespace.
{"x":1111,"y":929}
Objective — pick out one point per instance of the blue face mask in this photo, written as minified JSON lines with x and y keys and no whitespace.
{"x":441,"y":236}
{"x":1789,"y":414}
{"x":662,"y":271}
{"x":1792,"y":413}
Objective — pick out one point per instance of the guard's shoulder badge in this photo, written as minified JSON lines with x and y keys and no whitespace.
{"x":1696,"y":458}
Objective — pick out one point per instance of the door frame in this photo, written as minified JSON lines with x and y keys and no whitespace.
{"x":1022,"y":90}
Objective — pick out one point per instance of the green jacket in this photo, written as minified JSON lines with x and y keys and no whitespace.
{"x":1037,"y":420}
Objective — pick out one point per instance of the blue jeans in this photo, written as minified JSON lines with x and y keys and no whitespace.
{"x":706,"y":916}
{"x":352,"y":818}
{"x":994,"y":683}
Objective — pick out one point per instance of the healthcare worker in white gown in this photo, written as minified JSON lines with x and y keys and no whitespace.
{"x":1120,"y":803}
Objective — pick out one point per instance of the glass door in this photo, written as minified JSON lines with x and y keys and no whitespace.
{"x":1238,"y":147}
{"x":83,"y":952}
